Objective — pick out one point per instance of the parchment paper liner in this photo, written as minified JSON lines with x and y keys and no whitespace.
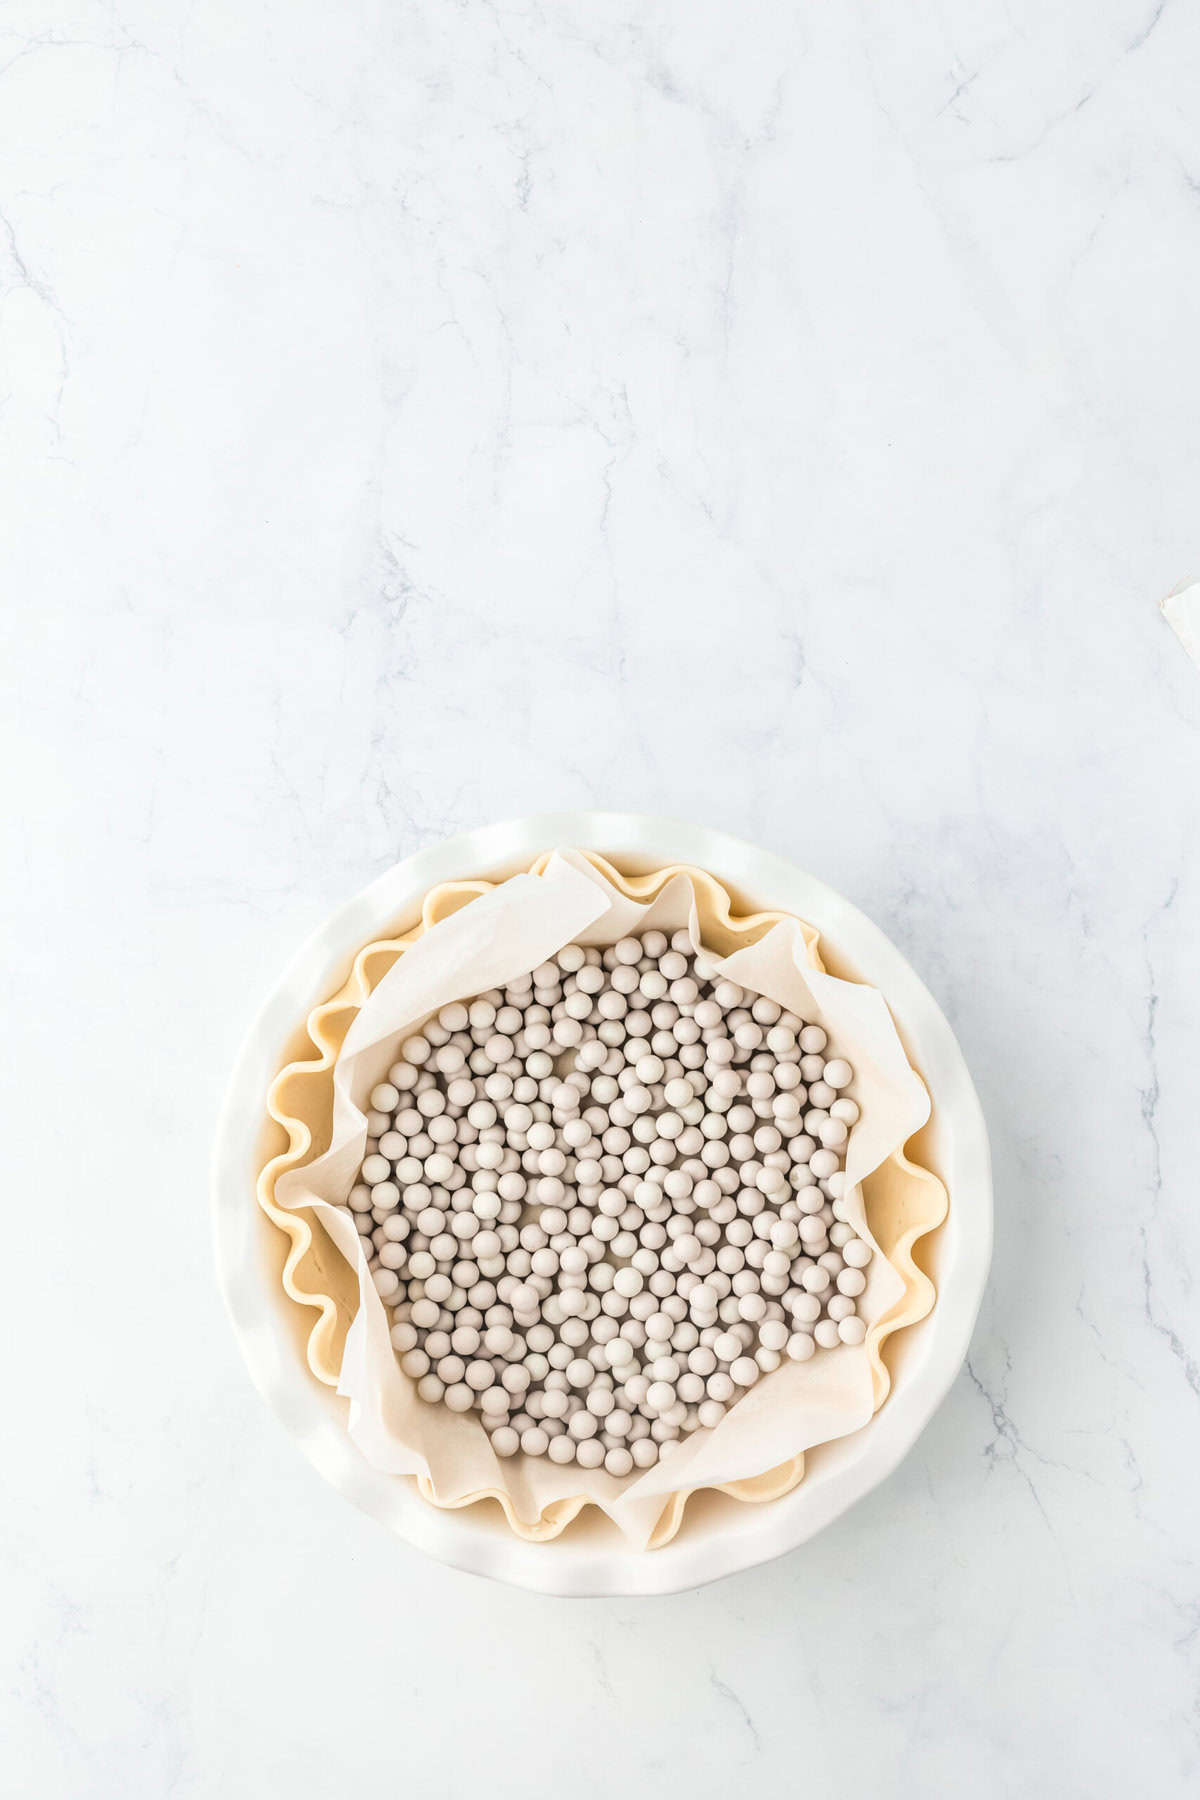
{"x":903,"y":1203}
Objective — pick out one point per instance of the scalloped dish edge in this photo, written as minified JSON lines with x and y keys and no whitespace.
{"x":316,"y":1276}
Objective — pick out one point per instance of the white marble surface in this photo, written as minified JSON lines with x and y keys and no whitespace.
{"x":783,"y":416}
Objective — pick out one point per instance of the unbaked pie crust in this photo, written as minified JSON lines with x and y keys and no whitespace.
{"x":904,"y":1201}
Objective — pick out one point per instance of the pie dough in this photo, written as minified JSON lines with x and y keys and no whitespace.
{"x":905,"y":1201}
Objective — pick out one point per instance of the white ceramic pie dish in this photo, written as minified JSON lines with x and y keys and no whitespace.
{"x":719,"y":1535}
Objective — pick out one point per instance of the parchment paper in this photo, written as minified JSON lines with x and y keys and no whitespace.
{"x":1181,"y":610}
{"x":499,"y":935}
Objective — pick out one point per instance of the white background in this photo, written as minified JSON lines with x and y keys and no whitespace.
{"x":779,"y":415}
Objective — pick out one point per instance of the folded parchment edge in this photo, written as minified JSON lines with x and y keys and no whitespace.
{"x":1181,"y":610}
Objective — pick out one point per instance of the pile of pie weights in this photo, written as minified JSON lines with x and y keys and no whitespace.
{"x":602,"y":1202}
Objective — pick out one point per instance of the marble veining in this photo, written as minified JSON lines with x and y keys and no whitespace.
{"x":780,"y":417}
